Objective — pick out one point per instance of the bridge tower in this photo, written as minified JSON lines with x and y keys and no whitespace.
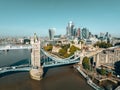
{"x":36,"y":71}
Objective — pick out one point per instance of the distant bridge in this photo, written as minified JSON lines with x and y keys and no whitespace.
{"x":15,"y":68}
{"x":9,"y":47}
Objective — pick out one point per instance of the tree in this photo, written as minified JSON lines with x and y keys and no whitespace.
{"x":48,"y":47}
{"x":72,"y":42}
{"x":73,"y":49}
{"x":103,"y":45}
{"x":66,"y":55}
{"x":26,"y":41}
{"x":86,"y":63}
{"x":65,"y":46}
{"x":102,"y":71}
{"x":117,"y":67}
{"x":62,"y":52}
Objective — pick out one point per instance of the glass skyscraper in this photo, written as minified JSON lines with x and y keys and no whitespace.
{"x":51,"y":33}
{"x":85,"y":33}
{"x":70,"y":29}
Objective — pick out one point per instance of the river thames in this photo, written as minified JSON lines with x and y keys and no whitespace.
{"x":56,"y":78}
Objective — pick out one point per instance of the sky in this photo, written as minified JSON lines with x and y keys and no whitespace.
{"x":25,"y":17}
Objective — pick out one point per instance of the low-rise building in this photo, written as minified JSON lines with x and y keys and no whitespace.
{"x":109,"y":56}
{"x":55,"y":49}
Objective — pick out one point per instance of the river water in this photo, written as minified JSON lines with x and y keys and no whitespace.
{"x":55,"y":78}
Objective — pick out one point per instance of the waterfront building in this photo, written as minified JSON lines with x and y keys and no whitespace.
{"x":109,"y":56}
{"x":106,"y":57}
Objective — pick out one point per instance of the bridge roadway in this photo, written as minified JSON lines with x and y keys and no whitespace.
{"x":28,"y":67}
{"x":15,"y":68}
{"x":51,"y":64}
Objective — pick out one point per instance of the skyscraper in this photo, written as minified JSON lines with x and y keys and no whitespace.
{"x":102,"y":35}
{"x":70,"y":29}
{"x":106,"y":35}
{"x":74,"y":33}
{"x":85,"y":33}
{"x":51,"y":33}
{"x":78,"y":33}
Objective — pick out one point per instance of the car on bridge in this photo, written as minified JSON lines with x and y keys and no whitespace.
{"x":13,"y":67}
{"x":1,"y":69}
{"x":7,"y":68}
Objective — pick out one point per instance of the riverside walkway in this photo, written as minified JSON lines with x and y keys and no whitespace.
{"x":89,"y":81}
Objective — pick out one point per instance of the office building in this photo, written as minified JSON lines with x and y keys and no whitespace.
{"x":70,"y":29}
{"x":85,"y":33}
{"x":51,"y":33}
{"x":78,"y":33}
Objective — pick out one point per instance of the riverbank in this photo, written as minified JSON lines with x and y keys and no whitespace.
{"x":89,"y":81}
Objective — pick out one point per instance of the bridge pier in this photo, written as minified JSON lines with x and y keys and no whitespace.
{"x":36,"y":73}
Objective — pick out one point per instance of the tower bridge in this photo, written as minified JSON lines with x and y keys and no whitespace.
{"x":49,"y":62}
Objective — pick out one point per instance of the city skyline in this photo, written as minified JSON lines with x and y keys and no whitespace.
{"x":29,"y":16}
